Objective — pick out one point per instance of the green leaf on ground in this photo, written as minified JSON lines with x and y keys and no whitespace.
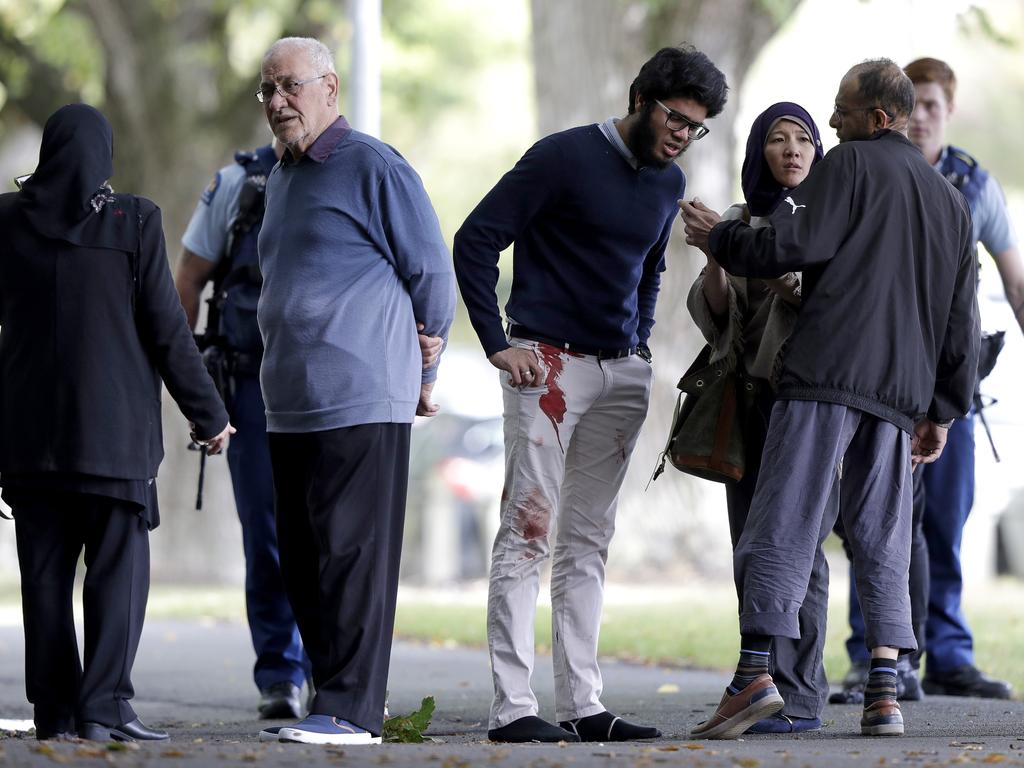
{"x":408,"y":729}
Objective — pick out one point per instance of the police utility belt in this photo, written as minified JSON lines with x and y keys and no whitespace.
{"x":232,"y":362}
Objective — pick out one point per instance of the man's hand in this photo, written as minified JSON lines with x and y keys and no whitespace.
{"x":213,"y":445}
{"x":430,"y":347}
{"x":521,"y":364}
{"x":699,"y":221}
{"x":425,"y":407}
{"x":927,"y":442}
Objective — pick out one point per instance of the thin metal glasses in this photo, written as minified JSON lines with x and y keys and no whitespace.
{"x":287,"y":88}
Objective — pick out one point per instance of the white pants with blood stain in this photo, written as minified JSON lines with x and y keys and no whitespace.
{"x":567,"y":448}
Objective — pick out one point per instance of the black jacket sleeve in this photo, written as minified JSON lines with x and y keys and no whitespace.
{"x":806,"y":228}
{"x":165,"y":334}
{"x":956,"y":369}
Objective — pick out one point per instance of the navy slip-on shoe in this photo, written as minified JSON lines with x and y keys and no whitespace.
{"x":780,"y":723}
{"x":324,"y":729}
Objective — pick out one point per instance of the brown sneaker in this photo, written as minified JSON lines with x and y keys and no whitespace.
{"x":883,"y":718}
{"x":737,"y":712}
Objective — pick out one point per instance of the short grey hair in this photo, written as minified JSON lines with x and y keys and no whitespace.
{"x":319,"y":54}
{"x":883,"y":83}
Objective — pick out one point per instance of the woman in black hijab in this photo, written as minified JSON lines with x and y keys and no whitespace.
{"x":90,"y":324}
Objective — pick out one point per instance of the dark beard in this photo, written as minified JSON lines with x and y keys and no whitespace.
{"x":642,"y":140}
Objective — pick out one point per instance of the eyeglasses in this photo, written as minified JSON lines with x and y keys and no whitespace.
{"x":675,"y":121}
{"x":286,"y":89}
{"x":837,"y":110}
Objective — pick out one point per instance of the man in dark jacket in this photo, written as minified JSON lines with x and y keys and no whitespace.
{"x":881,"y":361}
{"x":944,"y":490}
{"x":91,"y":325}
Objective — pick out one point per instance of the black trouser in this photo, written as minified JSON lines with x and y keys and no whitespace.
{"x":339,"y":497}
{"x":52,"y":527}
{"x":796,"y":665}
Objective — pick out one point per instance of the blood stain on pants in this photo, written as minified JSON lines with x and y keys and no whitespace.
{"x":552,"y":402}
{"x":534,"y":516}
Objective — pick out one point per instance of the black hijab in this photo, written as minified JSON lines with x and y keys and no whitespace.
{"x":67,"y":197}
{"x":760,"y":189}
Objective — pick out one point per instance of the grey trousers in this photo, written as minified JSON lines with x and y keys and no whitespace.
{"x":796,"y":665}
{"x":776,"y":552}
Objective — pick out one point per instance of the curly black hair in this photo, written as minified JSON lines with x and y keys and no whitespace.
{"x":680,"y":72}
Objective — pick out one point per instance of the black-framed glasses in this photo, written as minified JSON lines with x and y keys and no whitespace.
{"x":676,"y":121}
{"x":287,"y":88}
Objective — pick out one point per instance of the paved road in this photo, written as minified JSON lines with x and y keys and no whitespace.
{"x":194,"y":679}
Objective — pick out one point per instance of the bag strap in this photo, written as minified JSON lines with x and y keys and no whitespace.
{"x":663,"y":456}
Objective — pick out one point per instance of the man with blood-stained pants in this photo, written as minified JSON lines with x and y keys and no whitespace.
{"x":590,"y":211}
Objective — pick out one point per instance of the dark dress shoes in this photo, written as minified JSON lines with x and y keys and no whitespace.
{"x":966,"y":681}
{"x":281,"y":701}
{"x":133,"y":731}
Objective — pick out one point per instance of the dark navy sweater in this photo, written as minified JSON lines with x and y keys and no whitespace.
{"x":590,"y":233}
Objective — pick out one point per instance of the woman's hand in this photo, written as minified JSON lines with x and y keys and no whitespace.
{"x":213,"y":445}
{"x":786,"y":288}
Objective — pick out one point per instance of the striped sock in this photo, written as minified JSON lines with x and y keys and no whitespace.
{"x":754,"y":657}
{"x":881,"y":681}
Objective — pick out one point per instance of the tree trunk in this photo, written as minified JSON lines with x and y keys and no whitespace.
{"x":586,"y":53}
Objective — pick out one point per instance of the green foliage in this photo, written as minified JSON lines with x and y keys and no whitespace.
{"x":976,"y":21}
{"x":408,"y":729}
{"x":68,"y":44}
{"x":778,"y":10}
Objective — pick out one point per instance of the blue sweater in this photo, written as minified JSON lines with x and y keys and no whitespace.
{"x":352,"y":257}
{"x":590,"y":233}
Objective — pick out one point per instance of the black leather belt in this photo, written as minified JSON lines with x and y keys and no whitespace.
{"x":521,"y":332}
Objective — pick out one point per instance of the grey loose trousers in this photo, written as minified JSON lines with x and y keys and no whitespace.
{"x":796,"y":665}
{"x":806,"y":442}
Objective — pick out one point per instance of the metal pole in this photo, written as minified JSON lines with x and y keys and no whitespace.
{"x":364,"y":107}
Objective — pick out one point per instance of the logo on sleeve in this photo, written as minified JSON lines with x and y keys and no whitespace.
{"x":795,"y":206}
{"x":211,"y":189}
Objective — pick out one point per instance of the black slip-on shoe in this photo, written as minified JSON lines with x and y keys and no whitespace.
{"x":530,"y":728}
{"x":604,"y":726}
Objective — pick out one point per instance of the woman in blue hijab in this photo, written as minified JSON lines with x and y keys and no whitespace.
{"x":751,"y":319}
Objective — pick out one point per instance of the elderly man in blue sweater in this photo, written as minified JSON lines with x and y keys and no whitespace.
{"x":352,"y":259}
{"x":590,"y":210}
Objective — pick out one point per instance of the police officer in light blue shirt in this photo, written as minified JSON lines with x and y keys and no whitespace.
{"x":220,"y":246}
